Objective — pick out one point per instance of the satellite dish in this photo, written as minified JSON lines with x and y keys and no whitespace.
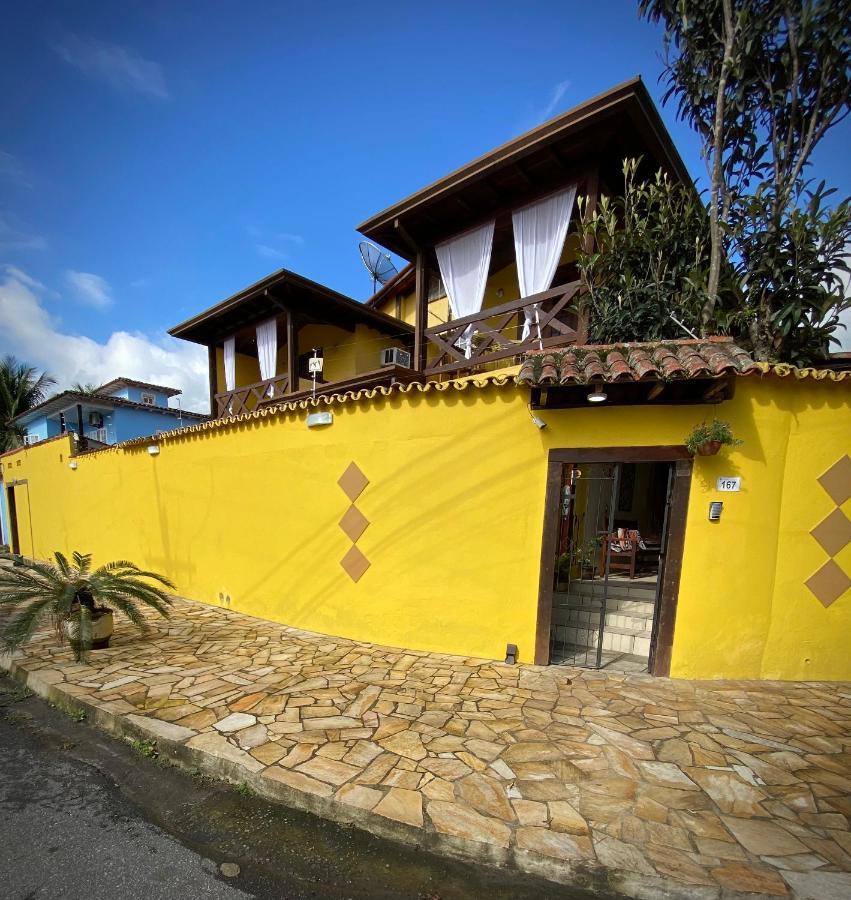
{"x":378,"y":263}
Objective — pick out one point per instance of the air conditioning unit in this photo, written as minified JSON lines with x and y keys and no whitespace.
{"x":96,"y":419}
{"x":393,"y":356}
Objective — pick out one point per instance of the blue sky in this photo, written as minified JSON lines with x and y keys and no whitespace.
{"x":158,"y":156}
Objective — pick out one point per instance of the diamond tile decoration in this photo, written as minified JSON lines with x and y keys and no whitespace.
{"x":354,"y":563}
{"x":837,"y":480}
{"x":833,"y":533}
{"x":829,"y":583}
{"x":354,"y":523}
{"x":353,"y":482}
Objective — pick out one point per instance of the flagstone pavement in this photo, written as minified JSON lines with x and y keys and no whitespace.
{"x":718,"y":787}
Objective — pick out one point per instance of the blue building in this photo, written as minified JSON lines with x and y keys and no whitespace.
{"x":118,"y":411}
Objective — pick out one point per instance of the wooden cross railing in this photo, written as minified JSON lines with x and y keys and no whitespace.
{"x":246,"y":398}
{"x":496,"y":332}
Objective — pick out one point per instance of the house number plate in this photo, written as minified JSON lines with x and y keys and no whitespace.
{"x":728,"y":483}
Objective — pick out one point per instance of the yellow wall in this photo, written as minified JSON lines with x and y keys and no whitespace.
{"x":346,"y":353}
{"x":246,"y":515}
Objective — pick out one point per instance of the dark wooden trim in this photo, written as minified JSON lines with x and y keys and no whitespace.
{"x":549,"y":545}
{"x":675,"y":541}
{"x":421,"y":313}
{"x":386,"y":377}
{"x":666,"y":613}
{"x":667,"y":453}
{"x":292,"y":353}
{"x":213,"y":373}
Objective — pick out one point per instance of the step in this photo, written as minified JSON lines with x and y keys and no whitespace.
{"x":635,"y":621}
{"x":622,"y":640}
{"x":613,"y":604}
{"x":614,"y":588}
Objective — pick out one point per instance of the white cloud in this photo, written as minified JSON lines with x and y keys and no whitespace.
{"x":29,"y":332}
{"x":120,"y":67}
{"x":90,"y":289}
{"x":555,"y":97}
{"x":11,"y":170}
{"x":275,"y":245}
{"x":14,"y":236}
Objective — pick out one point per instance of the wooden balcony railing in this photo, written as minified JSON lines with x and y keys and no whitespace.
{"x":496,"y":332}
{"x":248,"y":397}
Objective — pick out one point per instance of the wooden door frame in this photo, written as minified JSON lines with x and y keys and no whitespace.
{"x":666,"y":611}
{"x":12,"y":513}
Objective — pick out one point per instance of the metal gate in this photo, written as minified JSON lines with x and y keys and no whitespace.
{"x":580,"y":596}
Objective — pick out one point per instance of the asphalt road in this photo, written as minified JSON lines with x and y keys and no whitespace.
{"x":85,"y":816}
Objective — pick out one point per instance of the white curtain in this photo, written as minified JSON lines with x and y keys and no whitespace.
{"x":464,"y":262}
{"x":539,"y":233}
{"x":267,"y":351}
{"x":230,"y":364}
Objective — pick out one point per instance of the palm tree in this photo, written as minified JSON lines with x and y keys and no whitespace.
{"x":87,"y":388}
{"x":71,"y":598}
{"x":21,"y":388}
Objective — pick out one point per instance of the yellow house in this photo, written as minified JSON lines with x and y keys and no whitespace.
{"x":466,"y":474}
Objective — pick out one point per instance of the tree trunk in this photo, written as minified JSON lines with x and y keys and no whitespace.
{"x":717,"y":186}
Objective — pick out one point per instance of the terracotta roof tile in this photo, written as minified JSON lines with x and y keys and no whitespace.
{"x":659,"y":361}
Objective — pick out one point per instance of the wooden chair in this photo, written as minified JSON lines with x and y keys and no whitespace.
{"x":620,"y":559}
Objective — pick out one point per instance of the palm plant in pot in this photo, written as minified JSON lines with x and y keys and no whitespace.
{"x":73,"y":598}
{"x":707,"y":438}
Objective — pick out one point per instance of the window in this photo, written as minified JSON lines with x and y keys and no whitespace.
{"x":149,"y":399}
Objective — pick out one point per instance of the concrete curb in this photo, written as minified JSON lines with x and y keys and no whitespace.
{"x":582,"y":875}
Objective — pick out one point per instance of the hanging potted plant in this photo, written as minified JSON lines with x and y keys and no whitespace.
{"x":71,"y":597}
{"x":707,"y":439}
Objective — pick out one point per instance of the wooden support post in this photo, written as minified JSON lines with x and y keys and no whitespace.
{"x":292,"y":353}
{"x":421,"y":321}
{"x":214,"y":378}
{"x":592,"y":192}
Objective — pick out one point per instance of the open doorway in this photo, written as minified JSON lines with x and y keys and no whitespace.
{"x":12,"y":510}
{"x":615,"y":527}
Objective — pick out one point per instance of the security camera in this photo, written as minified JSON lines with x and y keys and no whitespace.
{"x":538,"y":423}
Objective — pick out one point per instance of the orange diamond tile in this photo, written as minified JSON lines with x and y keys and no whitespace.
{"x":837,"y":480}
{"x":354,"y":563}
{"x":353,"y":523}
{"x":353,"y":481}
{"x":833,"y":533}
{"x":829,"y":583}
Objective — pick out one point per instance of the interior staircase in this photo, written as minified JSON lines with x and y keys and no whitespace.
{"x":628,"y":617}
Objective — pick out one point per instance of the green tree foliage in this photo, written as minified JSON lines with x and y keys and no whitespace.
{"x":650,"y":260}
{"x":762,"y":82}
{"x":87,"y":388}
{"x":21,"y":388}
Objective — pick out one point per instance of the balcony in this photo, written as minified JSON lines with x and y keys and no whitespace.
{"x":248,"y":397}
{"x":496,"y":333}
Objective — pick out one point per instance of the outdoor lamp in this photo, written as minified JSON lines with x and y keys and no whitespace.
{"x":153,"y":449}
{"x":598,"y":395}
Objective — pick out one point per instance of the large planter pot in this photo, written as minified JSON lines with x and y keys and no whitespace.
{"x":102,"y":629}
{"x":710,"y":448}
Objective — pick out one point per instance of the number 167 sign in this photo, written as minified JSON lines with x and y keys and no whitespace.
{"x":728,"y":483}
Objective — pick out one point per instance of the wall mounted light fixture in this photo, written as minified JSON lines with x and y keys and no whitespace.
{"x":154,"y":449}
{"x":598,"y":395}
{"x":72,"y":464}
{"x":326,"y":417}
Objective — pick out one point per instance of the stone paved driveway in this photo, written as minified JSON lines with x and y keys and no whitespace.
{"x":722,"y":787}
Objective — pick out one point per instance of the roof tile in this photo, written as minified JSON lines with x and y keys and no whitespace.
{"x":652,"y":361}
